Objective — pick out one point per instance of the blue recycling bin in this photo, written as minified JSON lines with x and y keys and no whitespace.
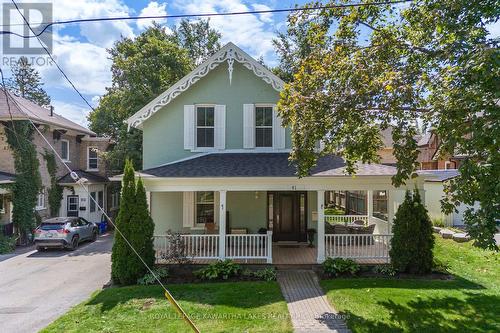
{"x":103,"y":226}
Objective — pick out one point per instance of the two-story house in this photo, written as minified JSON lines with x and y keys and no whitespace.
{"x":78,"y":147}
{"x":217,"y":170}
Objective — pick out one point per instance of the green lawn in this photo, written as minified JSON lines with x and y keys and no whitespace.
{"x":470,"y":303}
{"x":215,"y":307}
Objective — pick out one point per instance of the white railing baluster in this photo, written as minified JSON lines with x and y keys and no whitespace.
{"x":358,"y":246}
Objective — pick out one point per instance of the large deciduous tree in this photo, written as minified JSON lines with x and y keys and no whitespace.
{"x":370,"y":67}
{"x":198,"y":38}
{"x":27,"y":83}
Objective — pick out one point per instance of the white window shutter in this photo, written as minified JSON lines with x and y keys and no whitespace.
{"x":278,"y":131}
{"x":220,"y":127}
{"x":248,"y":126}
{"x":188,"y":209}
{"x":189,"y":120}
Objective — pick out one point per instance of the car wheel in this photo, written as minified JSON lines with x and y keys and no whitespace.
{"x":94,"y":235}
{"x":74,"y":243}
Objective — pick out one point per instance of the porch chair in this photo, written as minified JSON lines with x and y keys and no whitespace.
{"x":359,"y":222}
{"x":341,"y":229}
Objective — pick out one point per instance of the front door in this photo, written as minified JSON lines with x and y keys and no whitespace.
{"x":72,"y":205}
{"x":290,"y":216}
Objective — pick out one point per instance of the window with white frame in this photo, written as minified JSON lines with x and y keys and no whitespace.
{"x":100,"y":199}
{"x":263,"y":126}
{"x":2,"y":209}
{"x":92,"y":158}
{"x":205,"y":128}
{"x":40,"y":201}
{"x":65,"y":150}
{"x":205,"y":210}
{"x":115,"y":200}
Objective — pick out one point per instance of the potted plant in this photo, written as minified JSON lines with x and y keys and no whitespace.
{"x":310,"y":236}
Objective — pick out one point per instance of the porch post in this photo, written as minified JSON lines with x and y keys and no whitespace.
{"x":369,"y":204}
{"x":222,"y":224}
{"x":321,"y":226}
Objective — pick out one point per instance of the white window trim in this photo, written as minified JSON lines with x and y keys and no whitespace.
{"x":42,"y":194}
{"x":92,"y":202}
{"x":88,"y":160}
{"x":198,"y":226}
{"x":271,"y":147}
{"x":65,"y":159}
{"x":196,"y":148}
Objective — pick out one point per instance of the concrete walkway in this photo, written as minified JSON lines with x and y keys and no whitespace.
{"x":307,"y":303}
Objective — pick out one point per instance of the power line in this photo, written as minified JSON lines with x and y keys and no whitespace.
{"x":250,"y":12}
{"x":52,"y":58}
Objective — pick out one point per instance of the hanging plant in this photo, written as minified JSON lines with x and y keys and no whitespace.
{"x":55,"y":191}
{"x":28,"y":181}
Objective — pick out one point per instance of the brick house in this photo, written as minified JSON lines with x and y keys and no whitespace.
{"x":79,"y":147}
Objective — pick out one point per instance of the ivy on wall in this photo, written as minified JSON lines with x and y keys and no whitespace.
{"x":28,"y":181}
{"x":55,"y":191}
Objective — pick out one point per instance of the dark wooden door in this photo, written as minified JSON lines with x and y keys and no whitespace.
{"x":287,"y":218}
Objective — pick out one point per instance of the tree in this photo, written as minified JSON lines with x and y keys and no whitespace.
{"x":121,"y":252}
{"x":370,"y":67}
{"x":27,"y":83}
{"x":198,"y":38}
{"x":142,"y":68}
{"x":145,"y":227}
{"x":412,"y":241}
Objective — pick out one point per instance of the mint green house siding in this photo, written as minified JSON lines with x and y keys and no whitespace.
{"x":163,"y":140}
{"x":166,"y":211}
{"x":247,"y":210}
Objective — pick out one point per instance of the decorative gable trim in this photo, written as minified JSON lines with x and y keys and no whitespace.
{"x":229,"y":53}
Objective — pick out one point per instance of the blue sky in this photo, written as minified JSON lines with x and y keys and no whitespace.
{"x":80,"y":49}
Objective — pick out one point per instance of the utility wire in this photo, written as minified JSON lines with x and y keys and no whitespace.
{"x":80,"y":182}
{"x":250,"y":12}
{"x":52,"y":58}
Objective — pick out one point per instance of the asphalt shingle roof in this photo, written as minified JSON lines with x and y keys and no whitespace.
{"x":91,"y":177}
{"x":439,"y":175}
{"x":259,"y":165}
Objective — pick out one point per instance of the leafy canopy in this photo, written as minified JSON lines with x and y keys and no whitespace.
{"x":26,"y":82}
{"x":357,"y":70}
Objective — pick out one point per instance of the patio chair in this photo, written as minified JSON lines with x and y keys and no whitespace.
{"x":341,"y":229}
{"x":359,"y":222}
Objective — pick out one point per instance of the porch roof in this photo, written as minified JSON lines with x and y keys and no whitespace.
{"x":91,"y":178}
{"x":259,"y":165}
{"x":6,"y":178}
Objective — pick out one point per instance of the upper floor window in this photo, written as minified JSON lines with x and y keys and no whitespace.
{"x":205,"y":126}
{"x":65,"y":150}
{"x":92,"y":159}
{"x":264,"y":126}
{"x":40,"y":201}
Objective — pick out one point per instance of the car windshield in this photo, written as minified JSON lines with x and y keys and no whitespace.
{"x":52,"y":226}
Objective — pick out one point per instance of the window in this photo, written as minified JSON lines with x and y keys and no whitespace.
{"x":40,"y":203}
{"x":448,"y":165}
{"x":65,"y":150}
{"x":264,"y":126}
{"x":2,"y":209}
{"x":92,"y":201}
{"x":100,"y":199}
{"x":92,"y":159}
{"x":204,"y":126}
{"x":205,"y":207}
{"x":115,"y":200}
{"x":380,"y":205}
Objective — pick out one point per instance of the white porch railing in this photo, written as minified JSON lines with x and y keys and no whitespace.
{"x":358,"y":246}
{"x":334,"y":219}
{"x":381,"y":227}
{"x":252,"y":246}
{"x":249,"y":246}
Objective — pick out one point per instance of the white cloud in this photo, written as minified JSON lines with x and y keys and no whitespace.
{"x":264,"y":17}
{"x":494,"y":29}
{"x":251,"y":32}
{"x":152,"y":9}
{"x":73,"y":112}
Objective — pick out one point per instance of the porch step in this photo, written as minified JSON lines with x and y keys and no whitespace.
{"x":294,"y":267}
{"x":290,"y":244}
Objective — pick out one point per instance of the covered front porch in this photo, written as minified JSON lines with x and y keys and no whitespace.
{"x":273,"y":226}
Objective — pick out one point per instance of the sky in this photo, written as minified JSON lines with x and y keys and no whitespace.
{"x":80,"y":49}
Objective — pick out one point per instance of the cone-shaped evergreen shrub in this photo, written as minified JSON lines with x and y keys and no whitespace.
{"x":121,"y":254}
{"x":412,"y":241}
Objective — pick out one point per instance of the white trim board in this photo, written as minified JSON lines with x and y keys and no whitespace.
{"x":229,"y":53}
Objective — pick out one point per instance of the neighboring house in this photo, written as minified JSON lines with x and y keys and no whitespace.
{"x":217,"y":169}
{"x":77,"y":145}
{"x":429,"y":158}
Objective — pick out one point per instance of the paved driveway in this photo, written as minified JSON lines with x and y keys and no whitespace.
{"x":37,"y":287}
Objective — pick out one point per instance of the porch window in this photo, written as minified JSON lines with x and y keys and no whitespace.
{"x":264,"y":126}
{"x":205,"y":126}
{"x":380,"y":205}
{"x":205,"y":212}
{"x":100,"y":199}
{"x":92,"y":159}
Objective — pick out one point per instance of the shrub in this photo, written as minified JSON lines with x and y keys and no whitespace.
{"x":386,"y":269}
{"x":412,"y":242}
{"x":7,"y":244}
{"x":177,"y":249}
{"x":149,"y":279}
{"x":222,"y":269}
{"x":438,"y":223}
{"x":268,"y":274}
{"x":338,"y":266}
{"x":334,"y":211}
